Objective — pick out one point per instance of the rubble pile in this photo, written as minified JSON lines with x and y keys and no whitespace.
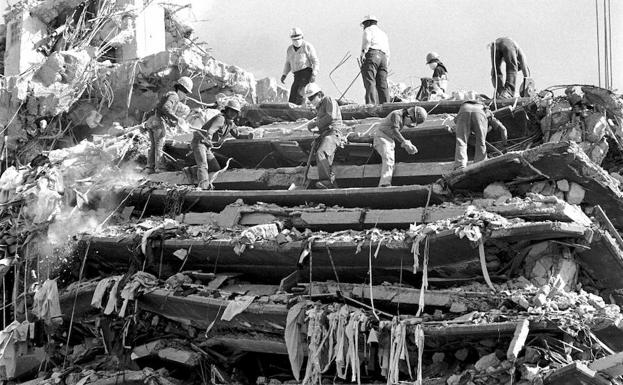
{"x":505,"y":272}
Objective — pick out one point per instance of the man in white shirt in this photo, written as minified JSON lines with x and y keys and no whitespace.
{"x":302,"y":60}
{"x":375,"y":60}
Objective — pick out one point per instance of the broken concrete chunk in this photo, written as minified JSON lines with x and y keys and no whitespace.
{"x":612,"y":365}
{"x":575,"y":196}
{"x":461,"y":354}
{"x":486,"y":362}
{"x":496,"y":191}
{"x":438,"y":357}
{"x":458,"y":307}
{"x":520,"y":300}
{"x":529,"y":372}
{"x":563,"y":185}
{"x":519,"y":339}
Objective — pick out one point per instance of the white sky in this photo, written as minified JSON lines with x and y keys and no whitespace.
{"x":557,"y":36}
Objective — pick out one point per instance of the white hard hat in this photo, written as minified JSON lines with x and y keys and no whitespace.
{"x":431,"y":56}
{"x":234,"y":105}
{"x":369,"y":18}
{"x":186,"y":83}
{"x":312,"y":89}
{"x":296,"y":33}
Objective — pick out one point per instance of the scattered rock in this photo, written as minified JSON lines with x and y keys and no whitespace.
{"x":486,"y":362}
{"x":496,"y":191}
{"x":563,"y":185}
{"x":458,"y":307}
{"x":575,"y":196}
{"x":461,"y":354}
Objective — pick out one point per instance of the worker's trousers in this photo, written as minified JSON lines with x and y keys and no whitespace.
{"x":156,"y":146}
{"x":374,"y":74}
{"x":325,"y":153}
{"x":507,"y":53}
{"x":301,"y":80}
{"x":386,"y":148}
{"x":470,"y":119}
{"x":205,"y":161}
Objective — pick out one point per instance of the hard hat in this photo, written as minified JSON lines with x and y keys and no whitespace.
{"x":296,"y":33}
{"x":233,"y":104}
{"x":418,"y":114}
{"x":312,"y":89}
{"x":186,"y":83}
{"x":431,"y":56}
{"x":369,"y":18}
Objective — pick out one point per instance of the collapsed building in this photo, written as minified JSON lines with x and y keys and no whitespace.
{"x":508,"y":271}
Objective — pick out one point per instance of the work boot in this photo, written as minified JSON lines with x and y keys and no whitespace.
{"x":205,"y":185}
{"x":325,"y":184}
{"x":150,"y":170}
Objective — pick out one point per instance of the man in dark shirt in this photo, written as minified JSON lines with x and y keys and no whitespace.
{"x":213,"y":132}
{"x":165,"y":117}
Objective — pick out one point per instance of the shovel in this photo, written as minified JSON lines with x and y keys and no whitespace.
{"x":312,"y":152}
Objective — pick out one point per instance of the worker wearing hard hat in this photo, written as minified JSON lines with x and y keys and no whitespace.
{"x":327,"y":123}
{"x":374,"y":61}
{"x":302,"y":60}
{"x":165,"y":115}
{"x":213,"y":133}
{"x":505,"y":50}
{"x":440,"y":72}
{"x":474,"y":116}
{"x":389,"y":130}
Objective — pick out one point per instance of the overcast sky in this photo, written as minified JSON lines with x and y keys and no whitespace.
{"x":557,"y":36}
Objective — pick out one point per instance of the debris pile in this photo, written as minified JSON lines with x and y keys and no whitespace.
{"x":507,"y":271}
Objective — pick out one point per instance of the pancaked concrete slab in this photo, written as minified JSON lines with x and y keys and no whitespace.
{"x":553,"y":161}
{"x":575,"y":373}
{"x":217,"y":200}
{"x":282,"y":178}
{"x":335,"y":219}
{"x":269,"y":261}
{"x":260,"y":114}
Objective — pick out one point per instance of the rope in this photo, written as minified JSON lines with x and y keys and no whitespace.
{"x":421,"y":301}
{"x":73,"y":309}
{"x":370,"y":280}
{"x":483,"y":264}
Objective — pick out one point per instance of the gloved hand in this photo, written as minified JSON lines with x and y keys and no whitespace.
{"x":409,"y":147}
{"x":312,"y":79}
{"x":311,"y":125}
{"x":283,"y":78}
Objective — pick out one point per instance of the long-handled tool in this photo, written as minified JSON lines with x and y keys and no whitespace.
{"x":359,"y":63}
{"x":312,"y":152}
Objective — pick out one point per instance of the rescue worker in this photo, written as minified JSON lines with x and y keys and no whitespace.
{"x":474,"y":117}
{"x":165,"y":117}
{"x":302,"y":60}
{"x":327,"y":123}
{"x":440,"y":72}
{"x":375,"y":61}
{"x":505,"y":50}
{"x":212,"y":133}
{"x":388,"y":131}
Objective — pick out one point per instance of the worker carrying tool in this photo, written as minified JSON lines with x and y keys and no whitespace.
{"x":327,"y":123}
{"x":302,"y":60}
{"x":440,"y":72}
{"x":475,"y":117}
{"x":212,"y":133}
{"x":374,"y":61}
{"x":164,"y":116}
{"x":388,"y":131}
{"x":505,"y":50}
